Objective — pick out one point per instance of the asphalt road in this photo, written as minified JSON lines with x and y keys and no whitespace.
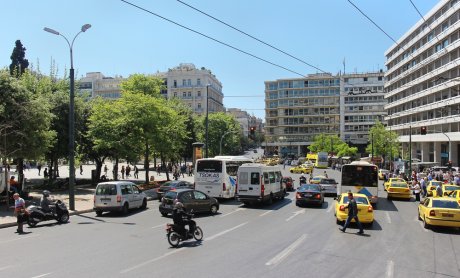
{"x":280,"y":240}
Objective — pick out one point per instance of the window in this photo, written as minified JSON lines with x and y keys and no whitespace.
{"x":266,"y":179}
{"x":365,"y":79}
{"x":186,"y":196}
{"x":198,"y":94}
{"x":199,"y":105}
{"x":189,"y":94}
{"x":199,"y":196}
{"x":175,"y":83}
{"x":255,"y":177}
{"x":380,"y":78}
{"x":135,"y":190}
{"x":198,"y":82}
{"x":175,"y":94}
{"x":184,"y":94}
{"x":189,"y":82}
{"x":184,"y":82}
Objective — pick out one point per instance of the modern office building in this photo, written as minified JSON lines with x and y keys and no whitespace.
{"x":423,"y":84}
{"x":198,"y":88}
{"x":361,"y":105}
{"x":299,"y":109}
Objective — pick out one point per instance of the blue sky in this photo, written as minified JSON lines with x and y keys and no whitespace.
{"x":124,"y":40}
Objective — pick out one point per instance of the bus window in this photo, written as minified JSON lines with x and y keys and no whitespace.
{"x":211,"y":166}
{"x":255,"y":178}
{"x":266,"y":179}
{"x":272,"y":177}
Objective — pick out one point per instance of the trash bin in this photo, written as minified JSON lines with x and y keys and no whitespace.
{"x":94,"y":177}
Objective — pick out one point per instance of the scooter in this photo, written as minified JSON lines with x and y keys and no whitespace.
{"x":36,"y":214}
{"x":175,"y":237}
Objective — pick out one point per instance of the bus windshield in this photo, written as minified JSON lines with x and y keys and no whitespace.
{"x":210,"y":166}
{"x":359,"y":175}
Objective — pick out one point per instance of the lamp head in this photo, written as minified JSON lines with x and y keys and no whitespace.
{"x":49,"y":30}
{"x":85,"y":27}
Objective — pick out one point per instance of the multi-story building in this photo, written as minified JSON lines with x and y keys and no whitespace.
{"x":246,"y":121}
{"x":198,"y":88}
{"x":361,"y":105}
{"x":423,"y":86}
{"x":96,"y":84}
{"x":299,"y":109}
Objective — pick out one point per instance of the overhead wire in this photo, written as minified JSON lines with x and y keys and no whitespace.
{"x":211,"y":38}
{"x":251,"y":36}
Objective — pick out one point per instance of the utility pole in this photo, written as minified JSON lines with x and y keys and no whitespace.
{"x":410,"y":150}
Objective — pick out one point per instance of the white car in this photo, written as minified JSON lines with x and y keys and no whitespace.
{"x":118,"y":196}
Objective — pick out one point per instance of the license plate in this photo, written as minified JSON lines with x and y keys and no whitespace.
{"x":308,"y":195}
{"x":106,"y":199}
{"x":168,"y":206}
{"x":447,"y":215}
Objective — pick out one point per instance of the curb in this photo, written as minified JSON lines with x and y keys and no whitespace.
{"x":75,"y":212}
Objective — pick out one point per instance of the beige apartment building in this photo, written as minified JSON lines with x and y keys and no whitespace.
{"x":423,"y":86}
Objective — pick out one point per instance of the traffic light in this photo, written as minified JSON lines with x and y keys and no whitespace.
{"x":423,"y":130}
{"x":252,"y":132}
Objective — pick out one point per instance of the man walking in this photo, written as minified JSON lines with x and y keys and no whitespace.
{"x":352,"y":214}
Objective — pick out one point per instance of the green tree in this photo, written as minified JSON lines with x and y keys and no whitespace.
{"x":18,"y":61}
{"x":326,"y":143}
{"x":143,"y":84}
{"x":383,"y":142}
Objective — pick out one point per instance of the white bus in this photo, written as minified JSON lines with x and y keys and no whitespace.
{"x":217,"y":176}
{"x":360,"y":177}
{"x":322,"y":161}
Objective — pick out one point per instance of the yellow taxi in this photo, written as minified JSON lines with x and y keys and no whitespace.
{"x":317,"y":179}
{"x":365,"y":210}
{"x":456,"y":195}
{"x":431,"y":187}
{"x":399,"y":190}
{"x":300,"y":170}
{"x":447,"y":188}
{"x":390,"y":180}
{"x":441,"y":211}
{"x":382,"y":172}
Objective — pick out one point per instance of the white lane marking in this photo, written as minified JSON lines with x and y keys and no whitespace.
{"x":387,"y":215}
{"x":5,"y":267}
{"x":19,"y":238}
{"x":265,"y":213}
{"x":226,"y":231}
{"x":283,"y":254}
{"x":240,"y":209}
{"x":302,"y":211}
{"x":152,"y":260}
{"x":42,"y":275}
{"x":329,"y":209}
{"x":158,"y":226}
{"x":390,"y":268}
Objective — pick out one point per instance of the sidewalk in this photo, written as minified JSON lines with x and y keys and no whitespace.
{"x":83,"y":194}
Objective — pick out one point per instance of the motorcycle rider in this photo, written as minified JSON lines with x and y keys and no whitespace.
{"x":45,"y":202}
{"x":302,"y":179}
{"x":180,"y":219}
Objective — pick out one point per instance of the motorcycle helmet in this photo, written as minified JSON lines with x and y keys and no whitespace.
{"x":179,"y":205}
{"x":46,"y":193}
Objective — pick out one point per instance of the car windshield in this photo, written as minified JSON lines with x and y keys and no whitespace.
{"x":435,"y":183}
{"x":452,"y":187}
{"x":106,"y":189}
{"x":171,"y":195}
{"x":170,"y":184}
{"x":359,"y":200}
{"x":398,"y":184}
{"x":328,"y":181}
{"x":309,"y":187}
{"x":445,"y":204}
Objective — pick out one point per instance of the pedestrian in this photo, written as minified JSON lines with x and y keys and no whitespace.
{"x":136,"y":172}
{"x":158,"y":170}
{"x":416,"y":189}
{"x":325,"y":174}
{"x":182,"y":170}
{"x":39,"y":167}
{"x":423,"y":187}
{"x":439,"y":190}
{"x":14,"y":184}
{"x":123,"y":172}
{"x":352,"y":214}
{"x":105,"y":169}
{"x":45,"y":173}
{"x":81,"y":169}
{"x":20,"y":212}
{"x":128,"y":171}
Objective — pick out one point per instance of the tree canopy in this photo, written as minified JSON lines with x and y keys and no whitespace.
{"x":18,"y":61}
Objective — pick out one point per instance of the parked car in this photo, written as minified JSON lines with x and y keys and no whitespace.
{"x":288,"y":183}
{"x":118,"y":196}
{"x":191,"y":198}
{"x":329,"y":186}
{"x":309,"y":194}
{"x":169,"y":185}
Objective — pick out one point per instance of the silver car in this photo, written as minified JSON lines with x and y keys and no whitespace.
{"x":118,"y":196}
{"x":329,"y":187}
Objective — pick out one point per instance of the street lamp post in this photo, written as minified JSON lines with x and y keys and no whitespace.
{"x":71,"y":116}
{"x":207,"y":111}
{"x":222,"y":138}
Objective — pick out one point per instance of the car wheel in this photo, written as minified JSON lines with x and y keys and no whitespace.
{"x":292,"y":172}
{"x":125,"y":209}
{"x":338,"y":222}
{"x":144,"y":204}
{"x":164,"y":213}
{"x":214,"y":209}
{"x":419,"y":218}
{"x":99,"y":212}
{"x":425,"y":225}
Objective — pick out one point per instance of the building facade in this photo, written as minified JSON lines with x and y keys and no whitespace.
{"x":96,"y":84}
{"x":198,"y":88}
{"x":423,"y":86}
{"x":299,"y":109}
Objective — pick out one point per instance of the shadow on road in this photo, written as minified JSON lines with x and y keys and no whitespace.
{"x":446,"y":230}
{"x":384,"y":204}
{"x":278,"y":204}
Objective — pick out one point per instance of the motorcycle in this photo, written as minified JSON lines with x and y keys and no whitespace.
{"x":175,"y":237}
{"x":36,"y":214}
{"x":302,"y":180}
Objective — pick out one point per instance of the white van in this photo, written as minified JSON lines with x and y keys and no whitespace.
{"x":118,"y":196}
{"x":259,"y":183}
